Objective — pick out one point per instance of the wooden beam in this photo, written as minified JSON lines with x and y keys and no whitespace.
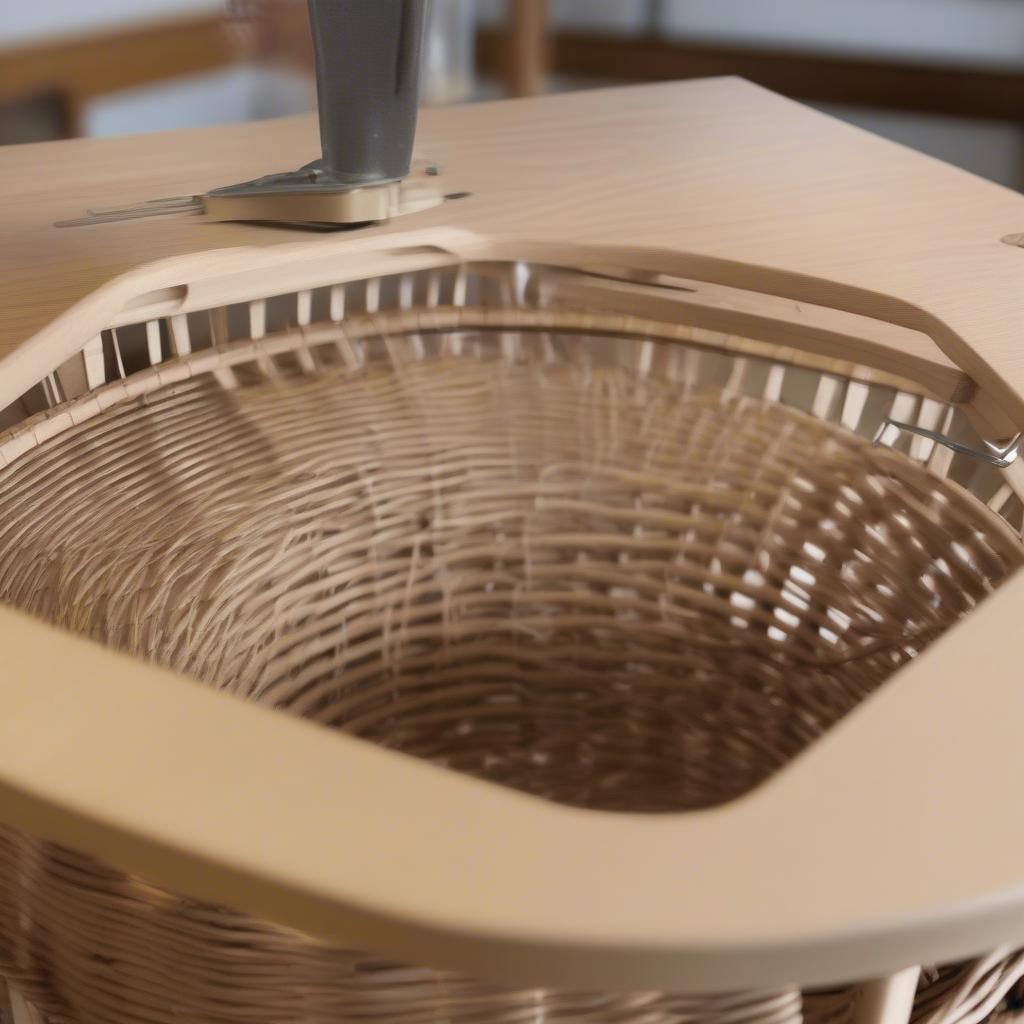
{"x":989,"y":93}
{"x":81,"y":68}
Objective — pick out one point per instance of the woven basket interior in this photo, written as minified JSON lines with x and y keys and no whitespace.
{"x":596,"y":559}
{"x":582,"y":563}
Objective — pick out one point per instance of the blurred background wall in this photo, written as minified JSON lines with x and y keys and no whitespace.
{"x":944,"y":76}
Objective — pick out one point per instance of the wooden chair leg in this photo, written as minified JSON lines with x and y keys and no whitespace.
{"x":526,"y":66}
{"x":17,"y":1010}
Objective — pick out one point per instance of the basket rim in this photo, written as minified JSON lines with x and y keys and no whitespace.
{"x":223,"y":355}
{"x":177,"y":285}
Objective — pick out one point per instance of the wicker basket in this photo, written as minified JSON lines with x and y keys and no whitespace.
{"x":620,"y":564}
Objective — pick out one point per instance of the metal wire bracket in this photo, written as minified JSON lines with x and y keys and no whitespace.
{"x":994,"y":454}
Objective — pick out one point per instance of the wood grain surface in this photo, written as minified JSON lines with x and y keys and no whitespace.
{"x":716,"y":178}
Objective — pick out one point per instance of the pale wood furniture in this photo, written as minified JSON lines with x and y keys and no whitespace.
{"x":81,"y":68}
{"x":890,"y":842}
{"x":527,"y":58}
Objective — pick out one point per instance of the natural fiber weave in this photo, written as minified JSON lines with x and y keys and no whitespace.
{"x":511,"y":557}
{"x":589,"y":586}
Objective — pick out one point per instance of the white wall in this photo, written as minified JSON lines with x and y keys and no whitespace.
{"x":961,"y":31}
{"x":971,"y":31}
{"x":610,"y":15}
{"x":219,"y":97}
{"x":21,"y":22}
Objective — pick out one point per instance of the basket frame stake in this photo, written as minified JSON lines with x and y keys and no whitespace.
{"x":21,"y":1011}
{"x":887,"y":1000}
{"x":1000,"y":455}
